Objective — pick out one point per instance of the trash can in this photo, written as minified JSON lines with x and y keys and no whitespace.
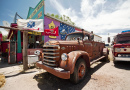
{"x":32,"y":59}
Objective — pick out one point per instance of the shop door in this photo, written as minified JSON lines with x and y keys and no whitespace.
{"x":12,"y":52}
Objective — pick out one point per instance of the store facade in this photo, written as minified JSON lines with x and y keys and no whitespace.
{"x":37,"y":39}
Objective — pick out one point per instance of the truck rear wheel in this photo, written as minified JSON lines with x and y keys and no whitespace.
{"x":79,"y":71}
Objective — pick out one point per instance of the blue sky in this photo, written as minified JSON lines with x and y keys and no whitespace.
{"x":100,"y":16}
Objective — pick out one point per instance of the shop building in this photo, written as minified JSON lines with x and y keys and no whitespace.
{"x":37,"y":39}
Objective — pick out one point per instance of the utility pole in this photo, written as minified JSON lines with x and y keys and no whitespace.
{"x":25,"y":46}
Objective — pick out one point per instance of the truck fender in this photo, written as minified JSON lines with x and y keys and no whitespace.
{"x":73,"y":56}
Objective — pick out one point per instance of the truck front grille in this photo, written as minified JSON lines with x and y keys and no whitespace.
{"x":51,"y":55}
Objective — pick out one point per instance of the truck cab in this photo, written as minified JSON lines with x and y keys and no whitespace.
{"x":70,"y":59}
{"x":121,"y":47}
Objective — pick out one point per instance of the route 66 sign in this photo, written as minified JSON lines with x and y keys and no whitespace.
{"x":31,"y":24}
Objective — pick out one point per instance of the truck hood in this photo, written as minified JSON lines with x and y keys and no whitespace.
{"x":67,"y":46}
{"x":122,"y":45}
{"x":60,"y":42}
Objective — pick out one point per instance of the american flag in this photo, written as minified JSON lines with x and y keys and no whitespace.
{"x":64,"y":30}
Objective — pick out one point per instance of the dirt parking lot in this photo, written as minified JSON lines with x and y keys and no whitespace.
{"x":101,"y":76}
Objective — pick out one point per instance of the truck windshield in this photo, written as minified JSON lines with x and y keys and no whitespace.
{"x":123,"y":39}
{"x":74,"y":36}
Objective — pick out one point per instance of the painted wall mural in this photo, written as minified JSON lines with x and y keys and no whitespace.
{"x":50,"y":24}
{"x":64,"y":30}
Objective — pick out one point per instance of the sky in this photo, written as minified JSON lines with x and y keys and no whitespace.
{"x":103,"y":17}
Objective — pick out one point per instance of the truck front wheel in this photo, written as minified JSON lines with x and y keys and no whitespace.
{"x":79,"y":71}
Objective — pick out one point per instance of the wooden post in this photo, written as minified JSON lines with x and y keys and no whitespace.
{"x":25,"y":46}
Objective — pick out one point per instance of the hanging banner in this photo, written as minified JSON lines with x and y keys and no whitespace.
{"x":52,"y":32}
{"x":35,"y":33}
{"x":31,"y":24}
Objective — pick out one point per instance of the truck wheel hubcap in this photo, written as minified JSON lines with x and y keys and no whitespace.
{"x":81,"y":71}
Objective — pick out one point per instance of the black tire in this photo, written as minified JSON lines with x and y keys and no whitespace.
{"x":115,"y":62}
{"x":105,"y":59}
{"x":76,"y":77}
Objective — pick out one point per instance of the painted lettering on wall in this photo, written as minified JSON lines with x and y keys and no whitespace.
{"x":36,"y":10}
{"x":40,"y":14}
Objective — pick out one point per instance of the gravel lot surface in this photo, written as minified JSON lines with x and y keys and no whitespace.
{"x":101,"y":76}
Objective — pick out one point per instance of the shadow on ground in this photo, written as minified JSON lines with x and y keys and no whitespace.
{"x":122,"y":65}
{"x":22,"y":72}
{"x":49,"y":81}
{"x":5,"y":64}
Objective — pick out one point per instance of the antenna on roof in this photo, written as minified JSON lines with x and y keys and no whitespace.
{"x":15,"y":17}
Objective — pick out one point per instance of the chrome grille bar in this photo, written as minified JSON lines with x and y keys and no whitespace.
{"x":48,"y":60}
{"x":50,"y":53}
{"x":49,"y":64}
{"x":50,"y":49}
{"x":51,"y":56}
{"x":51,"y":46}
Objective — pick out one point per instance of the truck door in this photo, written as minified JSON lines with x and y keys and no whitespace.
{"x":88,"y":45}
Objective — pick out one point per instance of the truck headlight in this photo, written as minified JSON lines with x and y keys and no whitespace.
{"x":64,"y":56}
{"x":118,"y":49}
{"x":37,"y":52}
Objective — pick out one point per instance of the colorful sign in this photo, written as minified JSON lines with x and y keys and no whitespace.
{"x":37,"y":13}
{"x":33,"y":13}
{"x":40,"y":14}
{"x":52,"y":32}
{"x":52,"y":37}
{"x":31,"y":24}
{"x":35,"y":33}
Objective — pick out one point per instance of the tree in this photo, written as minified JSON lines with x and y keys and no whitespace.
{"x":57,"y":16}
{"x":62,"y":18}
{"x":4,"y":37}
{"x":52,"y":15}
{"x":48,"y":14}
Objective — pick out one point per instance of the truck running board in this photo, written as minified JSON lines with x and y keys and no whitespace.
{"x":97,"y":60}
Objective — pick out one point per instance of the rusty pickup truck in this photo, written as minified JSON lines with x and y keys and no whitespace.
{"x":71,"y":59}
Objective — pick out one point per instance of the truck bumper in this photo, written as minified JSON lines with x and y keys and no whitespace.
{"x":59,"y":72}
{"x":122,"y":59}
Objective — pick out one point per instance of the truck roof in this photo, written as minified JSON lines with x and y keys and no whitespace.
{"x":124,"y":34}
{"x":80,"y":32}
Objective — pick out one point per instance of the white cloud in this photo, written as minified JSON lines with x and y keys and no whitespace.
{"x":64,"y":11}
{"x":4,"y":32}
{"x":100,"y":16}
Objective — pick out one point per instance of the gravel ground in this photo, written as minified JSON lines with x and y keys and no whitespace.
{"x":101,"y":76}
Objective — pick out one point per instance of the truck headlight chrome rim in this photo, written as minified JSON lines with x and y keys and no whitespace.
{"x":37,"y":52}
{"x":64,"y":56}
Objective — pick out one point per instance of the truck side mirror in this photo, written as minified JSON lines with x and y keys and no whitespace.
{"x":91,"y":37}
{"x":109,"y":40}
